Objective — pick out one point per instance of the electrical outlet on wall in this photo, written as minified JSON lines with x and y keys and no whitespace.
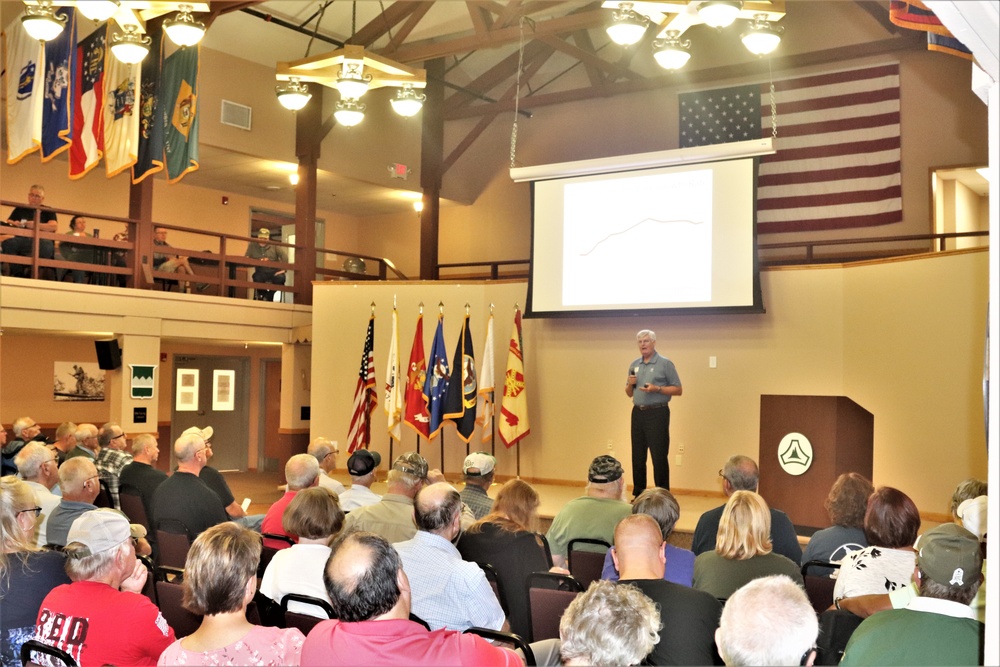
{"x":611,"y":445}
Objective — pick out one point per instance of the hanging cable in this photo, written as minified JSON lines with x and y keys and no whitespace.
{"x":517,"y":93}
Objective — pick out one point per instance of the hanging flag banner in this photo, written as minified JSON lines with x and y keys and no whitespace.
{"x":142,"y":381}
{"x":88,"y":104}
{"x":365,"y":397}
{"x":416,"y":416}
{"x":149,"y":156}
{"x":121,"y":116}
{"x":57,"y":107}
{"x":486,"y":388}
{"x":393,"y":392}
{"x":179,"y":113}
{"x":436,"y":381}
{"x":460,"y":399}
{"x":24,"y":62}
{"x":513,"y":424}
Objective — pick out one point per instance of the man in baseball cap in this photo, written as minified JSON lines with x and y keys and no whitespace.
{"x":392,"y":516}
{"x":937,"y":627}
{"x":478,"y":471}
{"x":363,"y":467}
{"x":102,"y":618}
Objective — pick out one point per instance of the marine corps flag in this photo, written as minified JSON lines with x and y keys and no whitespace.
{"x":365,"y":397}
{"x":179,"y":113}
{"x":460,"y":401}
{"x":436,"y":382}
{"x":57,"y":104}
{"x":486,"y":388}
{"x":514,"y":407}
{"x":416,"y":416}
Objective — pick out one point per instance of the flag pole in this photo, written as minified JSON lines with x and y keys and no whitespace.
{"x":493,"y":425}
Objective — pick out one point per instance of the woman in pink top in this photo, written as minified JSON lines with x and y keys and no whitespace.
{"x":219,"y":582}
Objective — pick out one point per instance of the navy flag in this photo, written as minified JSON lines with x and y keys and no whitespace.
{"x":460,"y":399}
{"x":437,"y":380}
{"x":57,"y":104}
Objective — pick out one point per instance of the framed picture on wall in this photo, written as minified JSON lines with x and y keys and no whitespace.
{"x":186,"y":399}
{"x":77,"y":381}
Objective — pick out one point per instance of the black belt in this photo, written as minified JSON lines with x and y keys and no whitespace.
{"x":653,"y":407}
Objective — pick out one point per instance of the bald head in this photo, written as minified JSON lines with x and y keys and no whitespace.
{"x":364,"y":579}
{"x":78,"y":480}
{"x":438,"y":509}
{"x":325,"y":452}
{"x":638,"y":550}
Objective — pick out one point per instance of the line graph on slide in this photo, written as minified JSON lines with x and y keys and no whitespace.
{"x":640,"y":239}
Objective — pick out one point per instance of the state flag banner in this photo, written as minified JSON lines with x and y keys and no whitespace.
{"x":837,"y":159}
{"x":513,"y":423}
{"x":460,"y":401}
{"x":121,"y":116}
{"x":57,"y":106}
{"x":393,"y":392}
{"x":88,"y":103}
{"x":486,"y":388}
{"x":24,"y":64}
{"x":149,"y":156}
{"x":179,"y":113}
{"x":416,"y":415}
{"x":365,"y":396}
{"x":436,"y":382}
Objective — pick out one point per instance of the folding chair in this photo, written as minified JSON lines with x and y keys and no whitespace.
{"x":304,"y":622}
{"x":819,"y":588}
{"x":515,"y":641}
{"x":173,"y":540}
{"x":170,"y":595}
{"x":548,"y":596}
{"x":35,"y":646}
{"x":586,"y":566}
{"x":496,"y":584}
{"x":133,"y":507}
{"x":268,"y":550}
{"x":835,"y":629}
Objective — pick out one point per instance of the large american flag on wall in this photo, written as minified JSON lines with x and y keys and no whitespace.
{"x":837,"y":164}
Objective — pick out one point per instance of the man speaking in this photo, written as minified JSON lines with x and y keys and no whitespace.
{"x":652,"y":380}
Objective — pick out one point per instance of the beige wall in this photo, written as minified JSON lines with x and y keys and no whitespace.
{"x":903,"y":339}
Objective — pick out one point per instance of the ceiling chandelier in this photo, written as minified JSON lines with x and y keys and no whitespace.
{"x":352,"y":72}
{"x":630,"y":21}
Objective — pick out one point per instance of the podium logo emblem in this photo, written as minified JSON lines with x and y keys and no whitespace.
{"x":795,"y":453}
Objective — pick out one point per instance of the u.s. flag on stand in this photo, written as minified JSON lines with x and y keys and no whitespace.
{"x":365,"y":396}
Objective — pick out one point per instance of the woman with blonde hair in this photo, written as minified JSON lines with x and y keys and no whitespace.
{"x":220,"y":579}
{"x":505,"y":539}
{"x":27,"y":574}
{"x":742,"y":549}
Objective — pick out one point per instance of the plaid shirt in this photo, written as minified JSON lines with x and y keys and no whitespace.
{"x":477,"y":500}
{"x":109,"y":466}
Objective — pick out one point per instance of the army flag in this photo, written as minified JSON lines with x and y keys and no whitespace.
{"x":24,"y":62}
{"x":179,"y":113}
{"x":460,"y":400}
{"x":393,"y":392}
{"x":486,"y":388}
{"x":57,"y":102}
{"x":365,"y":397}
{"x":88,"y":104}
{"x":121,"y":116}
{"x":513,"y":423}
{"x":416,"y":416}
{"x":149,"y":158}
{"x":436,"y":382}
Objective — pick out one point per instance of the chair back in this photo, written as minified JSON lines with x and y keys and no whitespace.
{"x":586,"y":566}
{"x":133,"y":507}
{"x":548,"y":596}
{"x":170,"y":595}
{"x":149,"y":588}
{"x":269,"y":548}
{"x":104,"y":496}
{"x":173,"y":540}
{"x":304,"y":622}
{"x":496,"y":585}
{"x":835,"y":629}
{"x":508,"y":639}
{"x":417,"y":619}
{"x":819,"y":588}
{"x":35,"y":646}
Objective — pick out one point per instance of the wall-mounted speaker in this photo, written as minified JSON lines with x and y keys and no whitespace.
{"x":109,"y":355}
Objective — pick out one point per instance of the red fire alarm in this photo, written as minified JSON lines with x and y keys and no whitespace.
{"x":225,"y":200}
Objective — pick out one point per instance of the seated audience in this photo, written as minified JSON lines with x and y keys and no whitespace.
{"x":768,"y":622}
{"x":363,"y":467}
{"x":937,"y":627}
{"x":891,"y":526}
{"x":478,"y":472}
{"x":315,"y":516}
{"x":370,"y":595}
{"x":184,"y":497}
{"x":608,"y":624}
{"x":40,"y":470}
{"x":594,"y":515}
{"x":112,"y":458}
{"x":102,"y":618}
{"x":966,"y":490}
{"x":505,"y":539}
{"x":76,"y":252}
{"x":65,"y":441}
{"x":392,"y":517}
{"x":140,"y":474}
{"x":86,"y":443}
{"x":662,"y":506}
{"x":27,"y":574}
{"x":220,"y":579}
{"x":301,"y":472}
{"x":169,"y":262}
{"x":25,"y":430}
{"x":325,"y":451}
{"x":742,"y":549}
{"x":447,"y":592}
{"x":845,"y":505}
{"x":267,"y":252}
{"x":741,"y":474}
{"x":689,"y":617}
{"x":80,"y":487}
{"x":215,"y":481}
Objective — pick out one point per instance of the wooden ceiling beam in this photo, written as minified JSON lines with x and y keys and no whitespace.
{"x":589,"y":57}
{"x":482,"y":21}
{"x":410,"y":24}
{"x":497,"y":74}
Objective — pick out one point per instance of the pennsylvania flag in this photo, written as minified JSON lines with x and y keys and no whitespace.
{"x":149,"y":158}
{"x":486,"y":388}
{"x":514,"y":408}
{"x":121,"y":116}
{"x":460,"y":400}
{"x":365,"y":397}
{"x":88,"y":104}
{"x":436,"y":382}
{"x":24,"y":62}
{"x":179,"y":113}
{"x":416,"y":416}
{"x":57,"y":105}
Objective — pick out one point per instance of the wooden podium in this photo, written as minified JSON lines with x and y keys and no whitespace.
{"x":841,"y":435}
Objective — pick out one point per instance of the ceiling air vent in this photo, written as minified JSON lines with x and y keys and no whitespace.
{"x":236,"y":115}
